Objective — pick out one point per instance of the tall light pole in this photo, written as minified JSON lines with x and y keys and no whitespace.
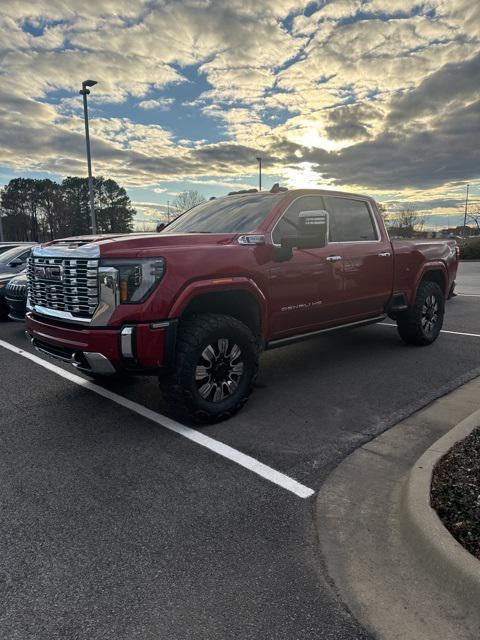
{"x":259,"y":174}
{"x":84,"y":92}
{"x":465,"y":216}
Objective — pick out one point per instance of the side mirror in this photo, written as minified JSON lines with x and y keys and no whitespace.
{"x":161,"y":226}
{"x":16,"y":262}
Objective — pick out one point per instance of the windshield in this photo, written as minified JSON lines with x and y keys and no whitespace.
{"x":232,"y":214}
{"x":12,"y":253}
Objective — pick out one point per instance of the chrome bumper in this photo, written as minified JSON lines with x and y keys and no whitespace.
{"x":88,"y":361}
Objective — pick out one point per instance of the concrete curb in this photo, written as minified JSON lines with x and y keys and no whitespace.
{"x":436,"y":548}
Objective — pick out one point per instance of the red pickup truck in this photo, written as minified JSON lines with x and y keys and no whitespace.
{"x":197,"y":303}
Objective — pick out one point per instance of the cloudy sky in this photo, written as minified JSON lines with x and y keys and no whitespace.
{"x":377,"y":96}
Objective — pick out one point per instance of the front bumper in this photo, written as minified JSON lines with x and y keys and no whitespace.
{"x":137,"y":348}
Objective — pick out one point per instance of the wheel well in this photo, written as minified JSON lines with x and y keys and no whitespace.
{"x":239,"y":304}
{"x":435,"y":275}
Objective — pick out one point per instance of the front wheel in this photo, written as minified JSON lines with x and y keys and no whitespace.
{"x":215,"y":368}
{"x":423,"y":321}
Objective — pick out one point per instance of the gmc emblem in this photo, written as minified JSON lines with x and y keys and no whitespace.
{"x":49,"y":273}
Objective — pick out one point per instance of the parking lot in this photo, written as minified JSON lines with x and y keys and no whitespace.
{"x":115,"y":527}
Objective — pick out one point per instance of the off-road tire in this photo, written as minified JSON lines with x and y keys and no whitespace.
{"x":412,"y":326}
{"x":179,"y":386}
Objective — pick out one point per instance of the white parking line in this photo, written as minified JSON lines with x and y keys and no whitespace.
{"x":468,"y":295}
{"x":456,"y":333}
{"x":200,"y":438}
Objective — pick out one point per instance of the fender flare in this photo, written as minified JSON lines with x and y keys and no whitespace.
{"x":213,"y":285}
{"x":436,"y":265}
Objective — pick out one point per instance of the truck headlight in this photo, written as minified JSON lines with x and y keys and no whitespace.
{"x":137,"y":277}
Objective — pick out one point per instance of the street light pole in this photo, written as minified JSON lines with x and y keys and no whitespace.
{"x":84,"y":92}
{"x":465,"y":216}
{"x":259,"y":174}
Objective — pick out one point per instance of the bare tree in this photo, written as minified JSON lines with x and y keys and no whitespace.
{"x":145,"y":226}
{"x":406,"y":222}
{"x":474,"y":216}
{"x":382,"y":208}
{"x":185,"y":201}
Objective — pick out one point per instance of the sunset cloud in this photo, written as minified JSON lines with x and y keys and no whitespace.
{"x":380,"y":96}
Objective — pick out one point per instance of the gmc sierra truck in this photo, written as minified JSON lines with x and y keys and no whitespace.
{"x":197,"y":303}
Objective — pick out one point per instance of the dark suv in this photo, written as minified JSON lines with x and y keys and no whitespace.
{"x":16,"y":296}
{"x":15,"y":260}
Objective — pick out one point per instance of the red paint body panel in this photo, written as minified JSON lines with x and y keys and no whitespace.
{"x":149,"y":346}
{"x":304,"y":294}
{"x":414,"y":257}
{"x":150,"y":343}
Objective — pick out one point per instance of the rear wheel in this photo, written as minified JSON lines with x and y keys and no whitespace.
{"x":215,"y":368}
{"x":423,"y":321}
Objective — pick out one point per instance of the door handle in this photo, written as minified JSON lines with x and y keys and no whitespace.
{"x":334,"y":258}
{"x":385,"y":254}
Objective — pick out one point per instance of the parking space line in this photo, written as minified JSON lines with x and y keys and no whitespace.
{"x":468,"y":295}
{"x":224,"y":450}
{"x":456,"y":333}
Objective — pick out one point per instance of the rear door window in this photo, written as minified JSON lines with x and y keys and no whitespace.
{"x":350,"y":220}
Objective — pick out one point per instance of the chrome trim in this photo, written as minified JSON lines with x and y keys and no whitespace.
{"x":64,"y":251}
{"x":126,"y":342}
{"x":59,"y":315}
{"x":333,"y":258}
{"x":98,"y":363}
{"x":252,"y":239}
{"x":384,"y":254}
{"x":108,"y":296}
{"x":160,"y":325}
{"x":300,"y":336}
{"x":108,"y":300}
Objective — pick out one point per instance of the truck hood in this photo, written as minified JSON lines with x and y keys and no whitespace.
{"x":155,"y":244}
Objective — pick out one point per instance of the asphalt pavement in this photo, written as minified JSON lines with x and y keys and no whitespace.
{"x":113,"y":527}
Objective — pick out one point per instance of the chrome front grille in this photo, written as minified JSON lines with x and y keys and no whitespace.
{"x":68,"y":285}
{"x":16,"y":290}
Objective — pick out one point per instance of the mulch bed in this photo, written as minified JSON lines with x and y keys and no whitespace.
{"x":455,"y":493}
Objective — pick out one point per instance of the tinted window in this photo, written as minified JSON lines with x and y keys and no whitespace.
{"x":350,"y":220}
{"x":288,"y":223}
{"x":232,"y":214}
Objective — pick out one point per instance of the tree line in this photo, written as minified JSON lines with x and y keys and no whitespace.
{"x":39,"y":210}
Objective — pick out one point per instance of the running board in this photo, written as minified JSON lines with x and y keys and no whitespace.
{"x":281,"y":342}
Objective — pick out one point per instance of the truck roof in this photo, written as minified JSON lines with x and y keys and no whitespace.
{"x":328,"y":192}
{"x":292,"y":193}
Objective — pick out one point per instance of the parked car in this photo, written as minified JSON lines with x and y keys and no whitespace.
{"x":4,"y":280}
{"x":16,"y":296}
{"x":228,"y":279}
{"x":5,"y":246}
{"x":15,"y":259}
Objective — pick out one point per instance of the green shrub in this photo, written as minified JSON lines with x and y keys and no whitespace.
{"x":470,"y":249}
